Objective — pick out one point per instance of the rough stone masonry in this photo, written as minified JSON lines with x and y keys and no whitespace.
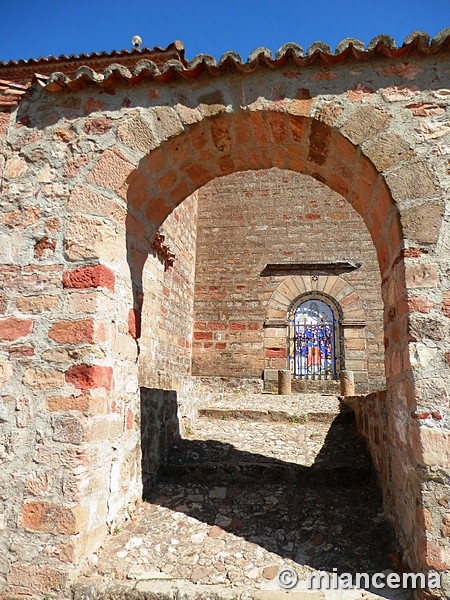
{"x":114,"y":164}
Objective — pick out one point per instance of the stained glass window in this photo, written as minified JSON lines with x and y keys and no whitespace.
{"x":313,"y":340}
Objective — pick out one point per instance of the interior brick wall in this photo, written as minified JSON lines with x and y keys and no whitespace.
{"x":249,"y":219}
{"x":168,"y":303}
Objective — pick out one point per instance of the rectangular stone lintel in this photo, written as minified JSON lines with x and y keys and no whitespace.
{"x":310,"y":268}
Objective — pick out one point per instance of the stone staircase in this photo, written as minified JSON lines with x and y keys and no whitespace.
{"x":262,"y":482}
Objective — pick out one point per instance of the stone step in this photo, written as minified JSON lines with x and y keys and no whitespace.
{"x":268,"y":414}
{"x":294,"y":404}
{"x":246,"y":450}
{"x":234,"y":440}
{"x":313,"y":453}
{"x":251,"y":472}
{"x":300,"y":408}
{"x":178,"y":589}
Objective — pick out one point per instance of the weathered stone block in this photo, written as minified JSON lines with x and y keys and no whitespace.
{"x":43,"y":379}
{"x":68,"y":429}
{"x":137,"y":135}
{"x":51,"y":518}
{"x":421,"y":328}
{"x":13,"y":329}
{"x":38,"y":484}
{"x":422,"y":275}
{"x":413,"y":180}
{"x":388,"y":150}
{"x":15,"y":167}
{"x":422,"y":224}
{"x":364,"y":123}
{"x":89,"y":277}
{"x":36,"y":304}
{"x":87,"y":200}
{"x":92,"y":239}
{"x":6,"y":370}
{"x":28,"y":579}
{"x":78,"y":332}
{"x":112,"y":171}
{"x":432,"y":448}
{"x":85,"y":377}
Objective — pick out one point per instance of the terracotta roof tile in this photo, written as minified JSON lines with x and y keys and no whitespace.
{"x":176,"y":46}
{"x":11,"y":93}
{"x":161,"y":64}
{"x":380,"y":46}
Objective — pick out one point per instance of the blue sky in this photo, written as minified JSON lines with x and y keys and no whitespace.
{"x":34,"y":28}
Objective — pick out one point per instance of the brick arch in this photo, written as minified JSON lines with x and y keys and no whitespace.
{"x":253,"y":140}
{"x":332,"y":285}
{"x":261,"y":139}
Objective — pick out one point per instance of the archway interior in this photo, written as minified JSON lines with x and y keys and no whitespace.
{"x":216,"y":308}
{"x":240,"y":223}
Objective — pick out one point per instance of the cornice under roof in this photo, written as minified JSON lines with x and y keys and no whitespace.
{"x":380,"y":46}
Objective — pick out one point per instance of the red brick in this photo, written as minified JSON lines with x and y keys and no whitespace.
{"x":157,"y":210}
{"x":12,"y":329}
{"x":129,"y":419}
{"x":48,"y":518}
{"x":89,"y":277}
{"x":275,"y":352}
{"x":202,"y":335}
{"x":87,"y":377}
{"x":77,"y":332}
{"x":21,"y":217}
{"x":237,"y":326}
{"x":412,"y":253}
{"x":44,"y":248}
{"x":446,"y":307}
{"x":217,"y":326}
{"x":434,"y":555}
{"x":98,"y":126}
{"x":79,"y":403}
{"x":93,"y":105}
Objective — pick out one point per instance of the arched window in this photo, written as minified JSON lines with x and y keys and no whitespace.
{"x":315,"y":345}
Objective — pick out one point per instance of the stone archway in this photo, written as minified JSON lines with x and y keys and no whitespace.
{"x":154,"y":156}
{"x":229,"y":142}
{"x":254,"y":139}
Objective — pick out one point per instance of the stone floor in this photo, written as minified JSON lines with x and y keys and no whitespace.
{"x":260,"y":484}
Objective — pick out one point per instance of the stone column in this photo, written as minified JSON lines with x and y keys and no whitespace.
{"x":284,"y":382}
{"x":347,"y":383}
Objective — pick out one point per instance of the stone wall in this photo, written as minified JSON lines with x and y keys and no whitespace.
{"x":168,"y":303}
{"x":89,"y":175}
{"x":250,"y":219}
{"x":432,"y":451}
